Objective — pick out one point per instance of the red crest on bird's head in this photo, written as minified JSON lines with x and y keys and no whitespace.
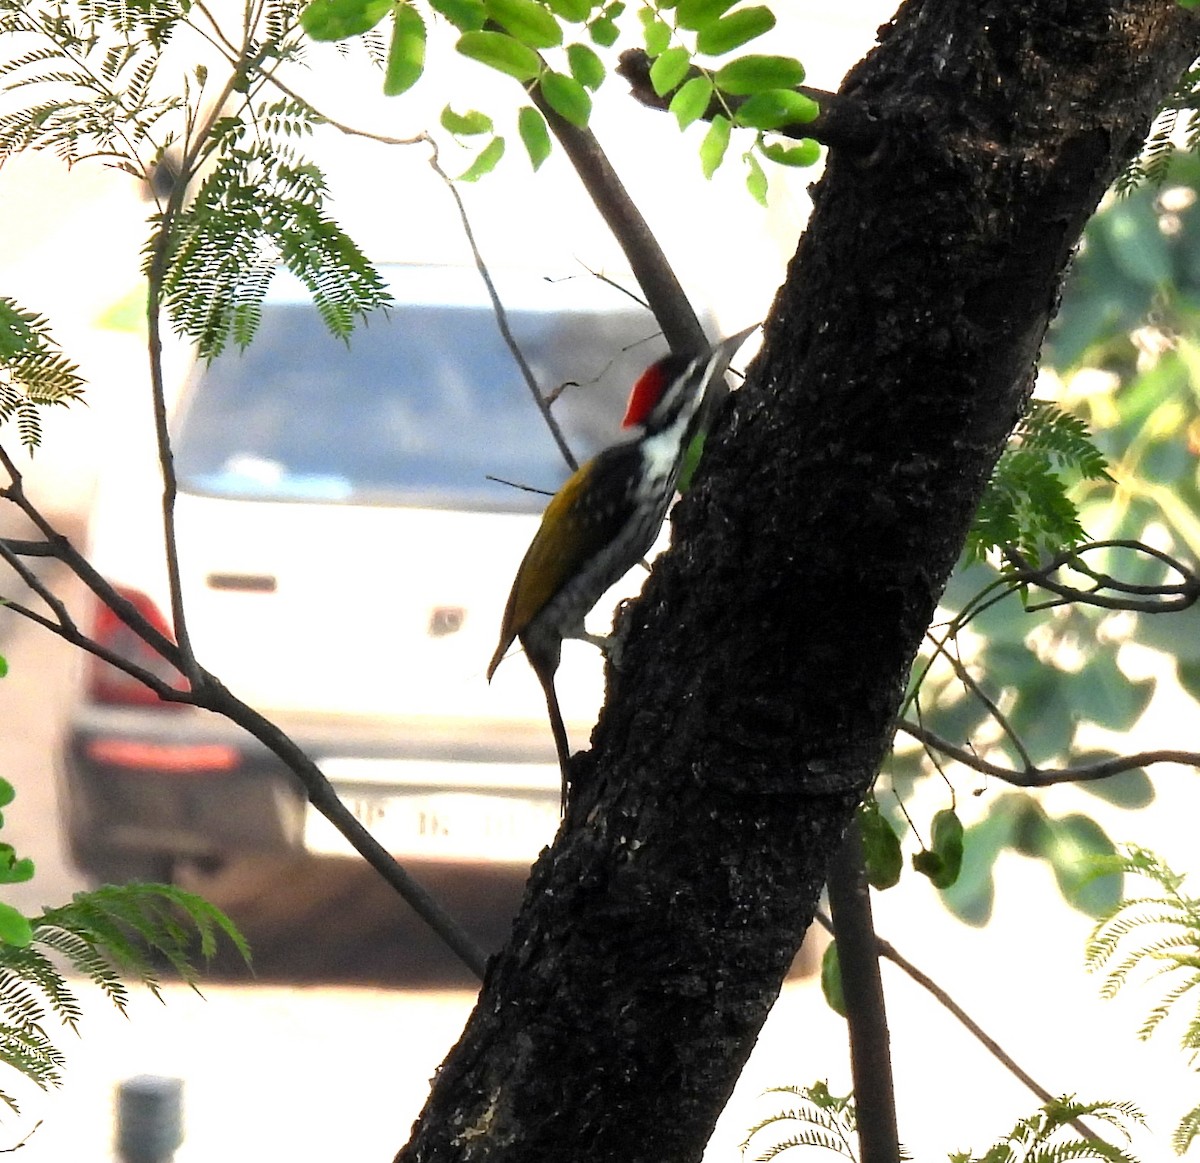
{"x":649,"y":389}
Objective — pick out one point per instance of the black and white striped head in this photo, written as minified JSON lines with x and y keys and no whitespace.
{"x":677,"y":384}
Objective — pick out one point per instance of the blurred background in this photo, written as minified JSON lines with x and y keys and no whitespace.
{"x":328,"y":1046}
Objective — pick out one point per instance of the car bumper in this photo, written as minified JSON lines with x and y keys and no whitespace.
{"x":189,"y":785}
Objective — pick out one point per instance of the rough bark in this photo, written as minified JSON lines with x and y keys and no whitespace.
{"x":767,"y":656}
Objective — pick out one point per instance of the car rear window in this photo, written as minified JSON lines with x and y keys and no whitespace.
{"x":423,"y":407}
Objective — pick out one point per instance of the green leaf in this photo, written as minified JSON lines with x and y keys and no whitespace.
{"x":534,"y":135}
{"x":697,"y":14}
{"x":756,"y":180}
{"x":586,"y":67}
{"x":734,"y":30}
{"x":16,"y":331}
{"x":604,"y":31}
{"x":947,"y":841}
{"x":485,"y":162}
{"x":805,"y":153}
{"x":501,"y":52}
{"x":466,"y":124}
{"x":128,"y":313}
{"x":3,"y":666}
{"x":656,"y":34}
{"x":7,"y":792}
{"x":527,"y":20}
{"x":971,"y":897}
{"x":15,"y":928}
{"x":1105,"y":695}
{"x":691,"y":100}
{"x":831,"y":979}
{"x":757,"y":72}
{"x":776,"y":108}
{"x":21,"y":871}
{"x":881,"y":846}
{"x":1188,"y":674}
{"x":668,"y":69}
{"x":928,"y":863}
{"x":714,"y":145}
{"x":465,"y":15}
{"x":576,"y":11}
{"x":1137,"y":244}
{"x":341,"y":19}
{"x":406,"y":54}
{"x":567,"y":97}
{"x":1074,"y":844}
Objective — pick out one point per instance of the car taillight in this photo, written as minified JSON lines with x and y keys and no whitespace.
{"x":107,"y":684}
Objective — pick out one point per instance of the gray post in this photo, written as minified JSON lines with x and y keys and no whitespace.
{"x":149,"y":1119}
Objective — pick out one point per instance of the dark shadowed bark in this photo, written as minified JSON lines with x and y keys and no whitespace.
{"x":766,"y":659}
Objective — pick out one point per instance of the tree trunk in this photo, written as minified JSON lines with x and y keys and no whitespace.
{"x":766,"y":659}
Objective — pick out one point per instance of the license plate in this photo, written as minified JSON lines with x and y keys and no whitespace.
{"x":461,"y":825}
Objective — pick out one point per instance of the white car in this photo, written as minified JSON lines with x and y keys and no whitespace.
{"x":347,"y":547}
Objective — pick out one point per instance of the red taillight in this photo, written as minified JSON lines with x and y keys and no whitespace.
{"x":175,"y":758}
{"x":107,"y":684}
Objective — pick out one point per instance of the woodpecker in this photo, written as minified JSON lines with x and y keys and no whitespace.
{"x":605,"y":518}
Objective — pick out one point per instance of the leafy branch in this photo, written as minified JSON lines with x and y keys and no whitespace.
{"x":109,"y":936}
{"x":1153,"y":936}
{"x":1102,"y":590}
{"x":841,"y":122}
{"x":34,"y":373}
{"x":1026,"y":508}
{"x":816,"y":1118}
{"x":535,"y":44}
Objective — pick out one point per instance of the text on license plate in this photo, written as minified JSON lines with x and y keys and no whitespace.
{"x":451,"y":825}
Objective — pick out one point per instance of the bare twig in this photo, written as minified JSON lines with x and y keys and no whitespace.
{"x":517,"y":485}
{"x":212,"y":695}
{"x":965,"y":677}
{"x":886,"y":949}
{"x":506,"y":334}
{"x":678,"y":320}
{"x":1136,"y":598}
{"x":1047,"y":776}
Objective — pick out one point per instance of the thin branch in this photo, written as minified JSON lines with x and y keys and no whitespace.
{"x":421,"y":138}
{"x":35,"y":583}
{"x":323,"y":796}
{"x":20,"y":548}
{"x":888,"y":950}
{"x":69,"y":632}
{"x":539,"y":397}
{"x":156,"y":277}
{"x":843,"y":122}
{"x":1183,"y":594}
{"x":212,"y":695}
{"x":517,"y":485}
{"x":678,"y":320}
{"x":79,"y":565}
{"x":1048,"y":776}
{"x":964,"y":676}
{"x":866,"y":1013}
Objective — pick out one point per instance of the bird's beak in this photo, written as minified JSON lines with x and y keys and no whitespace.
{"x":729,"y":346}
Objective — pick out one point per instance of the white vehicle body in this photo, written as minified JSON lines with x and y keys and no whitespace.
{"x":345,"y":564}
